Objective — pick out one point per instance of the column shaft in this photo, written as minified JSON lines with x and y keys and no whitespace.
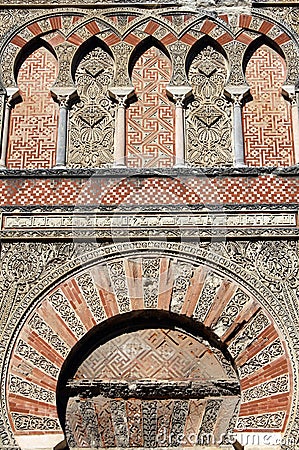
{"x":5,"y":134}
{"x":62,"y":134}
{"x":120,"y":134}
{"x":238,"y":138}
{"x":179,"y":134}
{"x":295,"y":126}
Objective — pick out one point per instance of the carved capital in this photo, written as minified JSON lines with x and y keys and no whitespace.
{"x":289,"y":92}
{"x":121,"y":94}
{"x":13,"y":97}
{"x":64,"y":96}
{"x":237,"y":93}
{"x":179,"y":94}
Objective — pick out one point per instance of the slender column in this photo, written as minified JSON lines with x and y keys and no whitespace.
{"x":180,"y":150}
{"x":295,"y":125}
{"x":64,"y":96}
{"x":238,"y":137}
{"x":5,"y":133}
{"x":120,"y":133}
{"x":179,"y":95}
{"x":121,"y":94}
{"x":237,"y":94}
{"x":62,"y":136}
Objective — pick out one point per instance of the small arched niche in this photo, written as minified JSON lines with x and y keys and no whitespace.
{"x":150,"y":121}
{"x":267,"y":118}
{"x":208,"y":115}
{"x":92,"y":119}
{"x":33,"y":126}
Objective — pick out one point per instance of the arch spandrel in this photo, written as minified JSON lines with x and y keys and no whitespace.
{"x":104,"y":291}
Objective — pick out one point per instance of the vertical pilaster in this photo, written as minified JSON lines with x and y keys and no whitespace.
{"x":180,"y":150}
{"x":9,"y":99}
{"x":295,"y":125}
{"x":62,"y":136}
{"x":64,"y":96}
{"x":238,"y":136}
{"x":121,"y":94}
{"x":289,"y":91}
{"x":179,"y":95}
{"x":237,"y":94}
{"x":5,"y":133}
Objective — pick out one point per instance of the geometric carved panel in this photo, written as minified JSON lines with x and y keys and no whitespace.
{"x":208,"y":118}
{"x":152,"y":354}
{"x":267,"y":118}
{"x":150,"y":129}
{"x":33,"y":128}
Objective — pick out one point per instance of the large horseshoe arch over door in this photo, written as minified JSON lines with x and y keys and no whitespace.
{"x":162,"y":384}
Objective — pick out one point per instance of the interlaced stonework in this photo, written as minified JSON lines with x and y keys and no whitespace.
{"x":34,"y":121}
{"x":149,"y":270}
{"x":267,"y":118}
{"x":151,"y":119}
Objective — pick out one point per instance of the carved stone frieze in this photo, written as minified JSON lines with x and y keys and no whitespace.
{"x":19,"y":386}
{"x":268,"y":421}
{"x":257,"y":325}
{"x":235,"y":52}
{"x":119,"y":285}
{"x":61,"y":305}
{"x":90,"y":292}
{"x":45,"y":332}
{"x":208,"y":422}
{"x":266,"y":356}
{"x":35,"y":423}
{"x":179,"y":52}
{"x":211,"y":286}
{"x":276,"y":386}
{"x":291,"y":53}
{"x":183,"y":274}
{"x":7,"y":65}
{"x":33,"y":357}
{"x":179,"y":415}
{"x":232,"y":309}
{"x":150,"y":281}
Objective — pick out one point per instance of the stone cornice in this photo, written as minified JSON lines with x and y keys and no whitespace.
{"x":122,"y":172}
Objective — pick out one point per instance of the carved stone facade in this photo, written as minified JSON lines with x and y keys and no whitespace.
{"x":149,"y":225}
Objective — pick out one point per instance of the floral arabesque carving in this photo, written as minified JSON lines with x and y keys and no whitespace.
{"x":92,"y":119}
{"x":208,"y":118}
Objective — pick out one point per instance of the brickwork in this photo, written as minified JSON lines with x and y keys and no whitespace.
{"x":34,"y":121}
{"x":153,"y":190}
{"x":267,"y":119}
{"x":150,"y":135}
